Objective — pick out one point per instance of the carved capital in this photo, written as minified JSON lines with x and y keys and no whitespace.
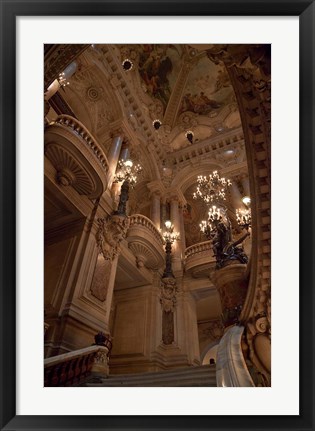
{"x":111,"y":231}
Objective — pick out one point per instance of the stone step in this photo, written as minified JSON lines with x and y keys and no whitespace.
{"x":192,"y":376}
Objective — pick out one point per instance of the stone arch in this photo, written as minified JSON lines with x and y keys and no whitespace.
{"x":188,"y":175}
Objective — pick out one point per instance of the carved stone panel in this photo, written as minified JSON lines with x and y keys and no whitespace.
{"x":101,"y":276}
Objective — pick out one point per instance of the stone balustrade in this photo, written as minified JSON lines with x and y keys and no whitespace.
{"x":77,"y":157}
{"x":145,"y":242}
{"x":139,"y":219}
{"x":197,"y":248}
{"x":81,"y":130}
{"x":199,"y":258}
{"x":72,"y":368}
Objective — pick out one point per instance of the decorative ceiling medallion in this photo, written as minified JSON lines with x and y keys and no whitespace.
{"x":94,"y":94}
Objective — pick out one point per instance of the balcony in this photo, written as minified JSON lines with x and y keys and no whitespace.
{"x":199,"y":259}
{"x":145,"y":242}
{"x":77,"y":157}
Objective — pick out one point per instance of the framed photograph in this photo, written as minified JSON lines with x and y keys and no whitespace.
{"x":157,"y":215}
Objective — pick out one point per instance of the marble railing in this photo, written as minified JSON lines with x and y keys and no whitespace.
{"x":145,"y":242}
{"x":197,"y":248}
{"x":72,"y":368}
{"x":139,"y":219}
{"x":81,"y":130}
{"x":77,"y":157}
{"x":198,"y":257}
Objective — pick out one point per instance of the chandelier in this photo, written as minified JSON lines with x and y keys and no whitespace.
{"x":211,"y":188}
{"x":244,"y":218}
{"x":208,"y":227}
{"x":127,"y":171}
{"x":168,"y":233}
{"x":63,"y":82}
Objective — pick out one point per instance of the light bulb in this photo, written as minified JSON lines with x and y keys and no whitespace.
{"x":168,"y":224}
{"x":128,"y":163}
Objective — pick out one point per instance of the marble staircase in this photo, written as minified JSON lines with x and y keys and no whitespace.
{"x":204,"y":375}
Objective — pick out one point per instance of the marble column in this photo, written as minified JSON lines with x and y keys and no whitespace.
{"x":113,"y":157}
{"x":163,"y":213}
{"x":54,"y":86}
{"x":236,"y":196}
{"x":245,"y":184}
{"x":155,"y":209}
{"x":182,"y":230}
{"x":125,"y":151}
{"x":177,"y":245}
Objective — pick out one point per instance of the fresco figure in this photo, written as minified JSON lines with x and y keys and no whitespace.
{"x":155,"y":67}
{"x":198,"y":103}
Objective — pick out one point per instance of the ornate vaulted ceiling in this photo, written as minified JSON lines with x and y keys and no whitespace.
{"x":183,"y":88}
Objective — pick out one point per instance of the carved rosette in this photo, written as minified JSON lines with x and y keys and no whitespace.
{"x":111,"y":231}
{"x":168,"y":294}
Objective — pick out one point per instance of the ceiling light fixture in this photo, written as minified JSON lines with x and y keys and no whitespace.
{"x":127,"y":64}
{"x":190,"y":136}
{"x":156,"y":124}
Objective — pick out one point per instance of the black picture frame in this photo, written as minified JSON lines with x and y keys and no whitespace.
{"x":305,"y":9}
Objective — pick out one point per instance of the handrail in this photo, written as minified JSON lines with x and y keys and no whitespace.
{"x":72,"y":367}
{"x":197,"y":248}
{"x":139,"y":219}
{"x":82,"y":131}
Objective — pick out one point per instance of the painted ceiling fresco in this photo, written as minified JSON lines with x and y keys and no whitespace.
{"x":208,"y":89}
{"x":159,"y":66}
